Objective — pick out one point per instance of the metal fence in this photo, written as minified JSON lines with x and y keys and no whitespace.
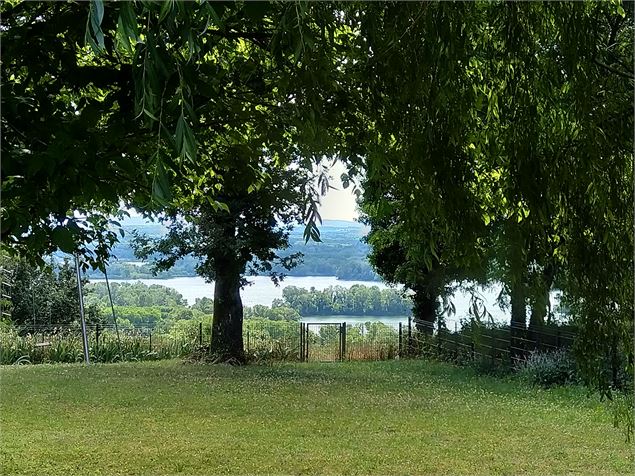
{"x":287,"y":340}
{"x":501,"y":343}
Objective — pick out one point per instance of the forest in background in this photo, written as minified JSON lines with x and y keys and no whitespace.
{"x":341,"y":253}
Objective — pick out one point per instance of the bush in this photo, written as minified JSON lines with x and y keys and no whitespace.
{"x":549,"y":368}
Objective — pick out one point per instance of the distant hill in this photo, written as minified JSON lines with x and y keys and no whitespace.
{"x":341,"y":253}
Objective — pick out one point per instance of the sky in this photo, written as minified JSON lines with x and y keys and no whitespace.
{"x":338,"y":204}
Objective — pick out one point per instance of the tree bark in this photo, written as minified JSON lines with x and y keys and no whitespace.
{"x":425,"y":310}
{"x":227,"y":323}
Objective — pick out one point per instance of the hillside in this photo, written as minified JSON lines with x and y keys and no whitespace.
{"x":341,"y":253}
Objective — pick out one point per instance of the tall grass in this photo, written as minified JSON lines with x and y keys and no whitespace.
{"x":66,"y":347}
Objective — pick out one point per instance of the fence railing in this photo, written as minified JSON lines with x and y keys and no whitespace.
{"x":286,"y":340}
{"x":503,"y":343}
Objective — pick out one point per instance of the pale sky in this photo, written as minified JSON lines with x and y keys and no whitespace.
{"x":338,"y":204}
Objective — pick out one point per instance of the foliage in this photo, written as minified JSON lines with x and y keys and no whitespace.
{"x":622,"y":407}
{"x":358,"y":300}
{"x":43,"y":298}
{"x":204,"y":304}
{"x":506,"y":153}
{"x":117,"y":98}
{"x":277,"y":313}
{"x":65,"y":346}
{"x":244,"y":238}
{"x":133,"y":294}
{"x":71,"y":149}
{"x":496,"y":138}
{"x":161,"y":317}
{"x":549,"y":368}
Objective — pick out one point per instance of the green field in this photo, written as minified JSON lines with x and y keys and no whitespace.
{"x":395,"y":417}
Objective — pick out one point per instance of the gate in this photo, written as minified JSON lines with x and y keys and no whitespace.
{"x":322,"y":341}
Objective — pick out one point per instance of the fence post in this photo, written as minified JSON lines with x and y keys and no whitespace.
{"x":456,"y":341}
{"x":400,"y":337}
{"x":409,"y":335}
{"x":558,"y":337}
{"x":200,"y":334}
{"x":150,"y":340}
{"x":343,"y":333}
{"x":247,"y":340}
{"x":439,"y":343}
{"x":301,"y":355}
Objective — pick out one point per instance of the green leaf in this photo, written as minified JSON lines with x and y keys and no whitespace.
{"x":161,"y":191}
{"x":95,"y":16}
{"x":63,"y":239}
{"x":166,"y":8}
{"x":127,"y":27}
{"x":215,"y":17}
{"x":185,"y":141}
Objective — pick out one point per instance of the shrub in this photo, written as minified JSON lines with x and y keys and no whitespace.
{"x":548,"y":368}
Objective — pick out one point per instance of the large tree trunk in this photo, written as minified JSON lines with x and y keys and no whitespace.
{"x":518,"y":321}
{"x":227,"y":324}
{"x":425,"y":309}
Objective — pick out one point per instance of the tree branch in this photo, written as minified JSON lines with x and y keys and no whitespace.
{"x":614,"y":70}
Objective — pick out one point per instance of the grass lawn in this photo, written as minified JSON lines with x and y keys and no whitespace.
{"x":396,"y":417}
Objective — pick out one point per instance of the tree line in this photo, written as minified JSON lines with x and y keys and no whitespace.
{"x":358,"y":300}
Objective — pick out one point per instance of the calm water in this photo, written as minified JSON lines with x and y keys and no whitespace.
{"x":263,"y":291}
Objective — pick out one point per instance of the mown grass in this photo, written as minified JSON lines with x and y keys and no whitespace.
{"x":395,"y":417}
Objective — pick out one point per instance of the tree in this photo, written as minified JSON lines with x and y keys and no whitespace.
{"x":231,"y":243}
{"x":45,"y":298}
{"x":112,"y":97}
{"x":133,"y":294}
{"x":510,"y":132}
{"x":70,"y":142}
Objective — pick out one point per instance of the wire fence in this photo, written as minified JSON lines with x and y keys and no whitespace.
{"x":287,"y":340}
{"x":503,"y":344}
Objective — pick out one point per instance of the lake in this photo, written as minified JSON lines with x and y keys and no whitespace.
{"x":263,"y":291}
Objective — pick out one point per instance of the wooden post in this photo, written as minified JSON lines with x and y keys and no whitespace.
{"x":456,"y":342}
{"x":301,"y":354}
{"x":200,"y":334}
{"x":409,"y":335}
{"x":150,"y":340}
{"x":400,"y":337}
{"x":343,"y":333}
{"x":439,"y":343}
